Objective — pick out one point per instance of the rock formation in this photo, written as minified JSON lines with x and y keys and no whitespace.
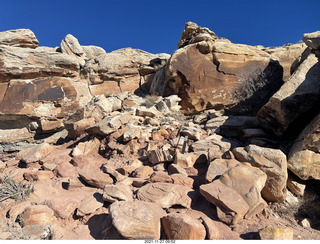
{"x":87,"y":153}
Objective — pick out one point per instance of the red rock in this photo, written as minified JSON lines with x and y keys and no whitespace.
{"x":63,"y":207}
{"x":37,"y":215}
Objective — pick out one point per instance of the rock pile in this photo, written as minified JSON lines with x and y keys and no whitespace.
{"x":111,"y":164}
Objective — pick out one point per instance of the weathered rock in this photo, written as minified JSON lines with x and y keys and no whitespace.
{"x":182,"y":179}
{"x":137,"y":220}
{"x":63,"y":207}
{"x":237,"y":193}
{"x":35,"y":153}
{"x":183,"y":227}
{"x":303,"y":159}
{"x":227,"y":200}
{"x":70,"y":45}
{"x":276,"y":233}
{"x":193,"y":33}
{"x":119,"y":192}
{"x":27,"y":63}
{"x":15,"y":135}
{"x":65,"y":169}
{"x":18,"y":209}
{"x":273,"y":162}
{"x":215,"y":145}
{"x":296,"y":185}
{"x":19,"y":38}
{"x":133,"y":133}
{"x":148,"y":112}
{"x":108,"y":124}
{"x":185,"y":160}
{"x":286,"y":55}
{"x":297,"y":96}
{"x":90,"y":204}
{"x":117,"y":71}
{"x":192,"y":133}
{"x":90,"y":147}
{"x":95,"y":177}
{"x":142,"y":172}
{"x":93,"y":51}
{"x":166,"y":194}
{"x":160,"y":176}
{"x":312,"y":40}
{"x":38,"y":175}
{"x":159,"y":156}
{"x":37,"y":215}
{"x":76,"y":129}
{"x":211,"y":74}
{"x":218,"y":167}
{"x":176,"y":169}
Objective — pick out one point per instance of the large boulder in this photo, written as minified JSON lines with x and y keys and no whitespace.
{"x":118,"y":71}
{"x":304,"y":157}
{"x":237,"y":193}
{"x":19,"y":38}
{"x":312,"y":40}
{"x":300,"y":94}
{"x":137,"y":220}
{"x":214,"y":73}
{"x":70,"y":45}
{"x":287,"y":55}
{"x":273,"y":162}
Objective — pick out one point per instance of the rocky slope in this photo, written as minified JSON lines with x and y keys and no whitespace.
{"x":216,"y":141}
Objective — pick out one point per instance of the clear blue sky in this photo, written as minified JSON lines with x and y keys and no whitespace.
{"x":156,"y":26}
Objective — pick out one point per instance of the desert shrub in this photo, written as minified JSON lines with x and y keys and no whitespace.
{"x":10,"y":188}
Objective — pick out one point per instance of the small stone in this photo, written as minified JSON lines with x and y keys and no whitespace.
{"x":95,"y":177}
{"x":142,"y":172}
{"x":192,"y":133}
{"x":185,"y":160}
{"x":305,"y":223}
{"x":276,"y":233}
{"x":159,"y":156}
{"x":38,"y":175}
{"x":87,"y":148}
{"x":65,"y":170}
{"x":133,"y":133}
{"x":160,"y":177}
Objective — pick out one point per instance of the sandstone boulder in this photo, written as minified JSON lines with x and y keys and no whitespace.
{"x":166,"y":194}
{"x":137,"y":220}
{"x":95,"y":177}
{"x":296,"y":97}
{"x":273,"y":162}
{"x":90,"y":147}
{"x":70,"y":45}
{"x":218,"y":167}
{"x":237,"y":193}
{"x":19,"y":38}
{"x":63,"y":207}
{"x":35,"y":153}
{"x":304,"y":156}
{"x":119,"y":192}
{"x":312,"y":40}
{"x":90,"y":204}
{"x":37,"y":215}
{"x":211,"y":74}
{"x":183,"y":227}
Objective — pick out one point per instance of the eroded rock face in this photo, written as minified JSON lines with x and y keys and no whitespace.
{"x":137,"y":220}
{"x":19,"y":38}
{"x":210,"y":73}
{"x":297,"y":96}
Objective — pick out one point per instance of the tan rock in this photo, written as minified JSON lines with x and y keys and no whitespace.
{"x":38,"y":175}
{"x":19,"y":38}
{"x":192,"y":133}
{"x":133,"y":133}
{"x":137,"y":220}
{"x":185,"y":160}
{"x":273,"y":162}
{"x":227,"y":200}
{"x":35,"y":153}
{"x":159,"y":156}
{"x":183,"y":227}
{"x":93,"y":51}
{"x":296,"y":185}
{"x":305,"y":153}
{"x":276,"y":233}
{"x":90,"y":147}
{"x":142,"y":172}
{"x":148,"y":112}
{"x":119,"y":192}
{"x":176,"y":169}
{"x":70,"y":45}
{"x":37,"y":215}
{"x":293,"y":99}
{"x":95,"y":177}
{"x":64,"y":170}
{"x":160,"y":176}
{"x":63,"y":207}
{"x":18,"y":209}
{"x":166,"y":194}
{"x":15,"y":135}
{"x":50,"y":125}
{"x":90,"y":204}
{"x":182,"y":179}
{"x":224,"y":69}
{"x":75,"y":129}
{"x":218,"y":167}
{"x":312,"y":39}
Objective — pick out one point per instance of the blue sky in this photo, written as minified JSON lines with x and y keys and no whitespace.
{"x":156,"y":26}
